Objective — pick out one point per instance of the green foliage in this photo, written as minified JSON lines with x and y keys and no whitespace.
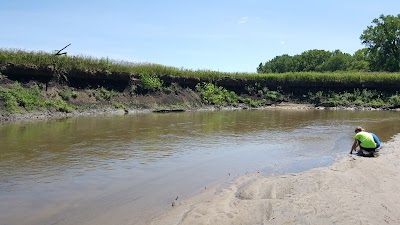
{"x":382,"y":53}
{"x":149,"y":82}
{"x":252,"y":102}
{"x":376,"y":103}
{"x":41,"y":59}
{"x":214,"y":95}
{"x":18,"y":97}
{"x":271,"y":95}
{"x":10,"y":101}
{"x":74,"y":94}
{"x":360,"y":60}
{"x":151,"y":76}
{"x":169,"y":89}
{"x":80,"y":63}
{"x":383,"y":43}
{"x":362,"y":98}
{"x":267,"y":95}
{"x":279,"y":64}
{"x":118,"y":105}
{"x":317,"y":97}
{"x":338,"y":61}
{"x":394,"y":100}
{"x":341,"y":78}
{"x":59,"y":105}
{"x":312,"y":60}
{"x":66,"y":95}
{"x":104,"y":94}
{"x":219,"y":96}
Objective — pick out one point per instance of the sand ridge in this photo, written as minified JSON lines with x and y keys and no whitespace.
{"x":354,"y":190}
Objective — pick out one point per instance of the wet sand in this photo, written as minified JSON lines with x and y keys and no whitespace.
{"x":354,"y":190}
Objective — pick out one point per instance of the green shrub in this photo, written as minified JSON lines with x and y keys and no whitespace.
{"x":59,"y":105}
{"x":317,"y":98}
{"x":358,"y":102}
{"x":251,"y":102}
{"x":149,"y":83}
{"x":104,"y":94}
{"x":363,"y":98}
{"x":74,"y":94}
{"x":264,"y":92}
{"x":273,"y":95}
{"x":394,"y":100}
{"x":214,"y":95}
{"x":10,"y":102}
{"x":66,"y":95}
{"x":376,"y":103}
{"x":18,"y":97}
{"x":118,"y":105}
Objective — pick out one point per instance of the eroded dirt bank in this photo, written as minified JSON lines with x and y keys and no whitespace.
{"x":103,"y":92}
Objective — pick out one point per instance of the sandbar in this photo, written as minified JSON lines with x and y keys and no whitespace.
{"x":353,"y":190}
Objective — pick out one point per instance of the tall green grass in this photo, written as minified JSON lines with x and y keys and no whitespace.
{"x":337,"y":77}
{"x":88,"y":63}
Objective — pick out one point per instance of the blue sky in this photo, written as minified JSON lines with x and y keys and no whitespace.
{"x":221,"y":35}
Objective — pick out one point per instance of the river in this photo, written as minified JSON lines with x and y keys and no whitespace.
{"x":130,"y":168}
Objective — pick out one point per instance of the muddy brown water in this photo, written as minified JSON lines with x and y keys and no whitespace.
{"x":128,"y":169}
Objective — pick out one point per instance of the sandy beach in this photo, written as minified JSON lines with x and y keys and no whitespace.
{"x":353,"y":190}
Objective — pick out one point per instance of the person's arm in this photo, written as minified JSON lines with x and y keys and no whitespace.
{"x":355,"y":145}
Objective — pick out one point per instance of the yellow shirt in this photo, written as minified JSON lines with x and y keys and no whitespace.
{"x":366,"y":139}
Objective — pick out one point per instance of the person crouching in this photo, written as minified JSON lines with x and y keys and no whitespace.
{"x":368,"y":143}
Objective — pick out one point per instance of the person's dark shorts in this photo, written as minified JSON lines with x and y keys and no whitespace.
{"x":367,"y":152}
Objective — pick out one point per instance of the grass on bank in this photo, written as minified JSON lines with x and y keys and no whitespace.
{"x":87,"y":63}
{"x":17,"y":97}
{"x":219,"y":96}
{"x":29,"y":99}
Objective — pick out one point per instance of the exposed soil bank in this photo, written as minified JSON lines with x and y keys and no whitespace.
{"x":103,"y":92}
{"x":120,"y":80}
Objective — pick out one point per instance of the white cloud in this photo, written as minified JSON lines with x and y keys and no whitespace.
{"x":244,"y":19}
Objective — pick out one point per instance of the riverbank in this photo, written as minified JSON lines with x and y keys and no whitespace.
{"x":30,"y":90}
{"x":354,"y":190}
{"x":110,"y":110}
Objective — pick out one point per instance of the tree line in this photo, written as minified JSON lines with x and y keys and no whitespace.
{"x":381,"y":53}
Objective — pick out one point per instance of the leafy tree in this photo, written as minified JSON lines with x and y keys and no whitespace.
{"x":360,"y":60}
{"x":279,"y":64}
{"x":338,"y":61}
{"x":307,"y":61}
{"x":383,"y":43}
{"x":311,"y":59}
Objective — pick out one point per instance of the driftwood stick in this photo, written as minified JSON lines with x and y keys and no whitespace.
{"x":59,"y":52}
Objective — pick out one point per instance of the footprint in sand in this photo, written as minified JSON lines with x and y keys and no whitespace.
{"x":384,"y":206}
{"x":229,"y":215}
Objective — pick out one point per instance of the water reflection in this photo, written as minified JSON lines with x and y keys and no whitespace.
{"x":34,"y":148}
